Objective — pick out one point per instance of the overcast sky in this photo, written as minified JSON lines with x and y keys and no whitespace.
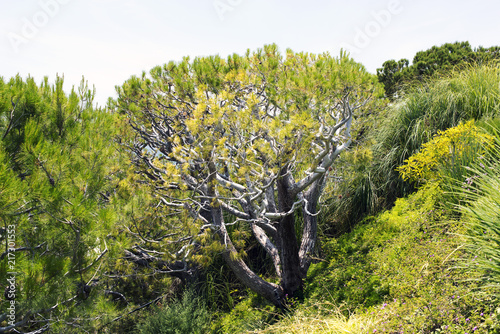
{"x":107,"y":41}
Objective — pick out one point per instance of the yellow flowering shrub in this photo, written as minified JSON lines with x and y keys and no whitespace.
{"x":449,"y":146}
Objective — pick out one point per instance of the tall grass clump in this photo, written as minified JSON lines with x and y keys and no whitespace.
{"x":351,"y":196}
{"x":480,"y":207}
{"x":320,"y":317}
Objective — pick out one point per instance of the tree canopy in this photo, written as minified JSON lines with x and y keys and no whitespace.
{"x":396,"y":75}
{"x":59,"y":168}
{"x":245,"y":145}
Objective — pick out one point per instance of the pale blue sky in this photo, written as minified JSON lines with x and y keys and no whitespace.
{"x":107,"y":41}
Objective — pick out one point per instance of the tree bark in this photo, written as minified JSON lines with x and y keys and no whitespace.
{"x":310,"y":230}
{"x":270,"y":291}
{"x":291,"y":279}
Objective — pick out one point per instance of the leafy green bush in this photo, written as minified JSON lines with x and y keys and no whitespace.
{"x":187,"y":315}
{"x":251,"y":314}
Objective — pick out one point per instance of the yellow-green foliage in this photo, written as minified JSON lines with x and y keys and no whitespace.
{"x":248,"y":315}
{"x":447,"y":146}
{"x":304,"y":93}
{"x":320,"y":318}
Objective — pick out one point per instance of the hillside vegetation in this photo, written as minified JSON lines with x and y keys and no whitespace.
{"x":430,"y":263}
{"x":264,"y":193}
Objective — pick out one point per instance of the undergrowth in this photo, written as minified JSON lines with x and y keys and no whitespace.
{"x":396,"y":272}
{"x":186,"y":315}
{"x":401,"y":268}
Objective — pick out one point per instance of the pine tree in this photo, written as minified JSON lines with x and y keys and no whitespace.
{"x":59,"y":170}
{"x":243,"y":146}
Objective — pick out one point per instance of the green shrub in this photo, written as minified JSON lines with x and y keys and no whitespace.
{"x":187,"y":315}
{"x":251,"y":314}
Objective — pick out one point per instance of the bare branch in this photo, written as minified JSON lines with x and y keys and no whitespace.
{"x":280,"y":215}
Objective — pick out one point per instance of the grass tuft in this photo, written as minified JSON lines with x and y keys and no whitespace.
{"x":320,"y":317}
